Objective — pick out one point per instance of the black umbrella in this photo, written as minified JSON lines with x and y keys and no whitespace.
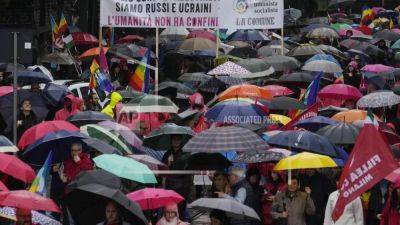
{"x":219,"y":83}
{"x":387,"y":35}
{"x":207,"y":161}
{"x":9,"y":67}
{"x":341,"y":133}
{"x":95,"y":177}
{"x":101,"y":146}
{"x":244,"y":52}
{"x":128,"y":51}
{"x":27,"y":77}
{"x":248,"y":35}
{"x":194,"y":77}
{"x":87,"y":205}
{"x":88,"y":117}
{"x":329,"y":111}
{"x":181,"y":88}
{"x":303,"y":52}
{"x":55,"y":93}
{"x":281,"y":63}
{"x":297,"y":77}
{"x":257,"y":67}
{"x":336,"y":2}
{"x":284,"y":103}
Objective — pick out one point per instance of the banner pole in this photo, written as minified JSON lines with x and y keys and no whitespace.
{"x":282,"y":42}
{"x":100,"y":36}
{"x":217,"y":48}
{"x":156,"y":71}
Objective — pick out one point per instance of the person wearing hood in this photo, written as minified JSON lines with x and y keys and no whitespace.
{"x":71,"y":107}
{"x":26,"y":118}
{"x":111,"y":107}
{"x":171,"y":216}
{"x":196,"y":102}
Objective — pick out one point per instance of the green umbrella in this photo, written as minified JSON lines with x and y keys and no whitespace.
{"x":125,"y":167}
{"x":147,"y":103}
{"x":340,"y":26}
{"x":160,"y":139}
{"x":113,"y":139}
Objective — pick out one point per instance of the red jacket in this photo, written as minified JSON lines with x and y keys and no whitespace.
{"x":72,"y":169}
{"x":390,"y":216}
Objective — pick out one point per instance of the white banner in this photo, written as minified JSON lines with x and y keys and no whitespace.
{"x":232,"y":14}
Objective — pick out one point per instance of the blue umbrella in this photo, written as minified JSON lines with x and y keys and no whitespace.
{"x":248,"y":35}
{"x":55,"y":93}
{"x":59,"y":142}
{"x":236,"y":111}
{"x":30,"y":77}
{"x":315,"y":123}
{"x":323,"y":57}
{"x":303,"y":141}
{"x":6,"y":145}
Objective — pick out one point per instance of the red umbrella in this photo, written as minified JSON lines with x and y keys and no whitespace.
{"x":82,"y":38}
{"x":130,"y":39}
{"x":340,"y":91}
{"x":202,"y":34}
{"x":27,"y":200}
{"x":42,"y":129}
{"x":277,"y":90}
{"x":5,"y":90}
{"x":3,"y":187}
{"x":365,"y":29}
{"x":154,"y":198}
{"x":16,"y":168}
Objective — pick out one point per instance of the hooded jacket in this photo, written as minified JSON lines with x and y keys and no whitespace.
{"x":64,"y":113}
{"x":110,"y":108}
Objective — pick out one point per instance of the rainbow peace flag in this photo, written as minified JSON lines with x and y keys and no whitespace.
{"x":98,"y":79}
{"x":93,"y":70}
{"x":39,"y":184}
{"x":140,"y":79}
{"x":54,"y":26}
{"x":63,"y":24}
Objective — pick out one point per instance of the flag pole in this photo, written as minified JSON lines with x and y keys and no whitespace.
{"x":100,"y":37}
{"x":282,"y":43}
{"x":156,"y":71}
{"x":217,"y":46}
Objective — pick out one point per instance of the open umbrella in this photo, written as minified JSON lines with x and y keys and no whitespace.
{"x":59,"y":58}
{"x":206,"y":161}
{"x":37,"y":218}
{"x":175,"y":33}
{"x":28,"y":77}
{"x":341,"y":133}
{"x":154,"y":198}
{"x":379,"y":99}
{"x":271,"y":50}
{"x":16,"y":168}
{"x":219,"y":83}
{"x":94,"y":177}
{"x":101,"y":146}
{"x":245,"y":91}
{"x":151,"y":162}
{"x":55,"y":93}
{"x":322,"y":66}
{"x":315,"y":123}
{"x":248,"y":35}
{"x":88,"y":117}
{"x":323,"y":32}
{"x":277,"y":90}
{"x":257,"y":67}
{"x":259,"y":156}
{"x":128,"y":51}
{"x":125,"y":132}
{"x":284,"y":103}
{"x":282,"y":63}
{"x":87,"y":204}
{"x":82,"y":38}
{"x":181,"y":88}
{"x":197,"y":44}
{"x":92,"y":52}
{"x":276,"y":118}
{"x":42,"y":129}
{"x":229,"y":68}
{"x":150,"y":103}
{"x":6,"y":90}
{"x":243,"y":52}
{"x":194,"y":77}
{"x":222,"y":139}
{"x":387,"y":35}
{"x":305,"y":160}
{"x":6,"y":145}
{"x":130,"y":39}
{"x":340,"y":91}
{"x":340,"y":26}
{"x":303,"y":52}
{"x":160,"y":139}
{"x":377,"y":68}
{"x":27,"y":200}
{"x":202,"y":34}
{"x":297,"y":77}
{"x":125,"y":167}
{"x":350,"y":116}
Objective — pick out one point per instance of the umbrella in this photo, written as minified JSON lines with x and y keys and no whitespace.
{"x":181,"y":88}
{"x":194,"y":77}
{"x":3,"y":187}
{"x":340,"y":26}
{"x":233,"y":208}
{"x":128,"y":51}
{"x":202,"y":34}
{"x":229,"y":68}
{"x":100,"y":133}
{"x":218,"y":83}
{"x":42,"y":129}
{"x":130,"y":39}
{"x":396,"y":45}
{"x":323,"y":32}
{"x":318,"y":20}
{"x":345,"y":32}
{"x":88,"y":117}
{"x":315,"y":123}
{"x":379,"y":99}
{"x":9,"y":67}
{"x":16,"y":168}
{"x":336,"y":2}
{"x":297,"y":77}
{"x":28,"y":77}
{"x":55,"y":93}
{"x":387,"y":35}
{"x":248,"y":35}
{"x":282,"y":63}
{"x":277,"y":90}
{"x":6,"y":145}
{"x":59,"y":58}
{"x":304,"y":51}
{"x":160,"y":139}
{"x":305,"y":160}
{"x":87,"y":205}
{"x":259,"y":156}
{"x":244,"y":52}
{"x":206,"y":161}
{"x":370,"y":49}
{"x":340,"y":91}
{"x":197,"y":44}
{"x":94,"y":177}
{"x":377,"y":68}
{"x":93,"y":52}
{"x":276,"y":118}
{"x":341,"y":133}
{"x":101,"y":146}
{"x":323,"y":57}
{"x":151,"y":162}
{"x":284,"y":103}
{"x":37,"y":218}
{"x":271,"y":50}
{"x":245,"y":91}
{"x":322,"y":66}
{"x":350,"y":116}
{"x":150,"y":103}
{"x":238,"y":44}
{"x":125,"y":132}
{"x":257,"y":67}
{"x":175,"y":33}
{"x":303,"y":140}
{"x":154,"y":198}
{"x":27,"y":200}
{"x":349,"y":43}
{"x":5,"y":90}
{"x":82,"y":38}
{"x":58,"y":142}
{"x":125,"y":167}
{"x":222,"y":139}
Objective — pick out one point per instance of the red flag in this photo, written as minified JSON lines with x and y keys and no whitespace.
{"x":369,"y":162}
{"x":309,"y":112}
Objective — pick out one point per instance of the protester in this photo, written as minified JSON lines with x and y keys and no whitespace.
{"x":23,"y":216}
{"x":111,"y":107}
{"x":170,"y":216}
{"x":391,"y":213}
{"x":113,"y":215}
{"x":275,"y":183}
{"x":92,"y":102}
{"x":26,"y":118}
{"x":220,"y":183}
{"x":71,"y":107}
{"x":76,"y":163}
{"x":253,"y":176}
{"x":218,"y":217}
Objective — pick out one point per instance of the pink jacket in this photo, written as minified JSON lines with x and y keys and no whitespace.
{"x":64,"y":113}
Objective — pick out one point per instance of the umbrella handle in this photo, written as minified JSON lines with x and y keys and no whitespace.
{"x":289,"y":177}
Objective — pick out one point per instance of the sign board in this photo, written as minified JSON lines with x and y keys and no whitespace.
{"x":231,"y":14}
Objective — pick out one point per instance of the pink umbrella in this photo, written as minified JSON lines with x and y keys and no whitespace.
{"x":202,"y":34}
{"x":277,"y":90}
{"x":378,"y":9}
{"x":149,"y":161}
{"x":377,"y":68}
{"x":3,"y":187}
{"x":396,"y":30}
{"x":5,"y":90}
{"x":340,"y":91}
{"x":125,"y":132}
{"x":154,"y":198}
{"x":394,"y":177}
{"x":343,"y":32}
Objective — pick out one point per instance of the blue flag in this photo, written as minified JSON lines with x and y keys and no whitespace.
{"x":310,"y":96}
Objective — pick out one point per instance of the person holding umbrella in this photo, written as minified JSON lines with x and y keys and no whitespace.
{"x":77,"y":163}
{"x":26,"y":118}
{"x":113,"y":215}
{"x":218,"y":217}
{"x":71,"y":107}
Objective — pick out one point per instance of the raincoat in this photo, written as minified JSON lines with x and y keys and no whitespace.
{"x":110,"y":108}
{"x":72,"y":169}
{"x":64,"y":113}
{"x":196,"y":101}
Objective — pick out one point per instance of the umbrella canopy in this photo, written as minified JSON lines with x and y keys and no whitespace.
{"x":340,"y":91}
{"x":88,"y":117}
{"x":154,"y":198}
{"x":248,"y":35}
{"x":194,"y":77}
{"x":218,"y":83}
{"x":305,"y":160}
{"x":315,"y":123}
{"x":175,"y":33}
{"x":202,"y":34}
{"x":323,"y":32}
{"x":42,"y":129}
{"x":304,"y":51}
{"x":259,"y":156}
{"x":101,"y":146}
{"x":94,"y":177}
{"x":160,"y":139}
{"x":229,"y":68}
{"x":181,"y":88}
{"x":224,"y":139}
{"x":150,"y":103}
{"x":277,"y":90}
{"x":231,"y":207}
{"x":351,"y":32}
{"x":284,"y":103}
{"x":350,"y":116}
{"x":16,"y":168}
{"x":303,"y":140}
{"x":349,"y":43}
{"x":87,"y":205}
{"x":59,"y":58}
{"x":125,"y":167}
{"x":151,"y":162}
{"x":282,"y":63}
{"x":322,"y":66}
{"x":271,"y":50}
{"x":297,"y":77}
{"x":341,"y":133}
{"x":5,"y":90}
{"x":6,"y":145}
{"x":28,"y":77}
{"x":332,"y":51}
{"x":93,"y":52}
{"x":37,"y":218}
{"x":243,"y":52}
{"x":100,"y":133}
{"x":377,"y":68}
{"x":387,"y":35}
{"x":197,"y":44}
{"x":82,"y":38}
{"x":55,"y":93}
{"x":236,"y":111}
{"x":206,"y":161}
{"x":128,"y":51}
{"x":130,"y":39}
{"x":245,"y":91}
{"x":379,"y":99}
{"x":276,"y":118}
{"x":27,"y":200}
{"x":257,"y":67}
{"x":125,"y":132}
{"x":336,"y":2}
{"x":340,"y":26}
{"x":396,"y":45}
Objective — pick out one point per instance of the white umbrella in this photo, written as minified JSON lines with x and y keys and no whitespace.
{"x":322,"y":66}
{"x":378,"y":99}
{"x":175,"y":33}
{"x":39,"y":68}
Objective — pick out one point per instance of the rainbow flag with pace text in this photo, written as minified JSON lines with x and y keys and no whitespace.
{"x":140,"y":79}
